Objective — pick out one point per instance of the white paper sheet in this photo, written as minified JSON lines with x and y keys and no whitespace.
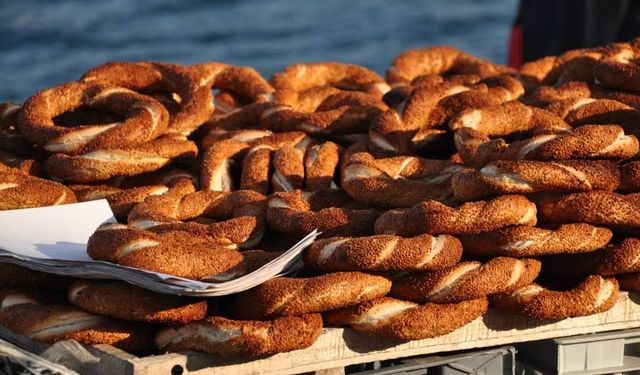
{"x":55,"y":232}
{"x":54,"y":239}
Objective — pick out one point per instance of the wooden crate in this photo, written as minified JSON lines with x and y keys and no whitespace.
{"x":337,"y":348}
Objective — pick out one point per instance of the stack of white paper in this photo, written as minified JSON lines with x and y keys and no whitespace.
{"x":54,"y":240}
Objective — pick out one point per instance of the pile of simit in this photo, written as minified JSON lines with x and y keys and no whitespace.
{"x":449,"y":186}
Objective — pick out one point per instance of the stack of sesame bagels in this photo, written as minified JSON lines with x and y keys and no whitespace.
{"x":449,"y":187}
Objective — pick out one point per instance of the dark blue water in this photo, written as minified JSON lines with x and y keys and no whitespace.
{"x":43,"y":43}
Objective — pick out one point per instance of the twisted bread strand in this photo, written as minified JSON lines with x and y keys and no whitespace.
{"x":404,"y":320}
{"x":145,"y":118}
{"x":619,"y":70}
{"x":330,"y":211}
{"x":619,"y":212}
{"x":121,"y":300}
{"x":438,"y":60}
{"x":241,"y":80}
{"x":243,"y":212}
{"x":163,"y":80}
{"x":508,"y":118}
{"x":378,"y":181}
{"x":393,"y":130}
{"x":288,"y":169}
{"x":344,"y":112}
{"x":56,"y":323}
{"x":467,"y":280}
{"x":227,"y":338}
{"x":470,"y":218}
{"x":592,"y":296}
{"x":530,"y":176}
{"x":584,"y":142}
{"x":301,"y":77}
{"x":255,"y":170}
{"x":526,"y":241}
{"x":595,"y":111}
{"x":224,"y":149}
{"x":119,"y":161}
{"x":383,"y":253}
{"x":28,"y":166}
{"x":121,"y":201}
{"x":285,"y":296}
{"x":19,"y":190}
{"x":573,"y":65}
{"x":174,"y":252}
{"x":320,"y":166}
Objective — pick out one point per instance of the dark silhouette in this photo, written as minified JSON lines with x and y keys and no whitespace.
{"x":550,"y":27}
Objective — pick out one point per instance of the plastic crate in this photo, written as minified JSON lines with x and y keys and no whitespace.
{"x":601,"y":353}
{"x":480,"y":362}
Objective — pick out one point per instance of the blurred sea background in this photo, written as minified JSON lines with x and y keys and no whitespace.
{"x":44,"y":43}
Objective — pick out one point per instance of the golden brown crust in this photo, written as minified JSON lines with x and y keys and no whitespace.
{"x":56,"y":323}
{"x":286,"y":296}
{"x":433,"y":79}
{"x":329,"y":211}
{"x":145,"y":118}
{"x":508,"y":118}
{"x":194,"y":107}
{"x":252,"y":260}
{"x":584,"y":142}
{"x":573,"y":65}
{"x":288,"y":169}
{"x":403,"y":320}
{"x":467,"y":280}
{"x":217,"y":161}
{"x":437,"y":60}
{"x":174,"y":252}
{"x":19,"y":190}
{"x":470,"y":218}
{"x":121,"y":300}
{"x":118,"y":160}
{"x":487,"y":92}
{"x":619,"y":212}
{"x":384,"y":253}
{"x":241,"y":215}
{"x":227,"y":338}
{"x":526,"y":241}
{"x":241,"y":80}
{"x":226,"y":148}
{"x":544,"y":95}
{"x":619,"y":70}
{"x":320,"y":164}
{"x":399,"y":181}
{"x":394,"y":130}
{"x":594,"y":111}
{"x":255,"y":170}
{"x":174,"y":178}
{"x":594,"y":295}
{"x":301,"y":77}
{"x":330,"y":113}
{"x":531,"y":176}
